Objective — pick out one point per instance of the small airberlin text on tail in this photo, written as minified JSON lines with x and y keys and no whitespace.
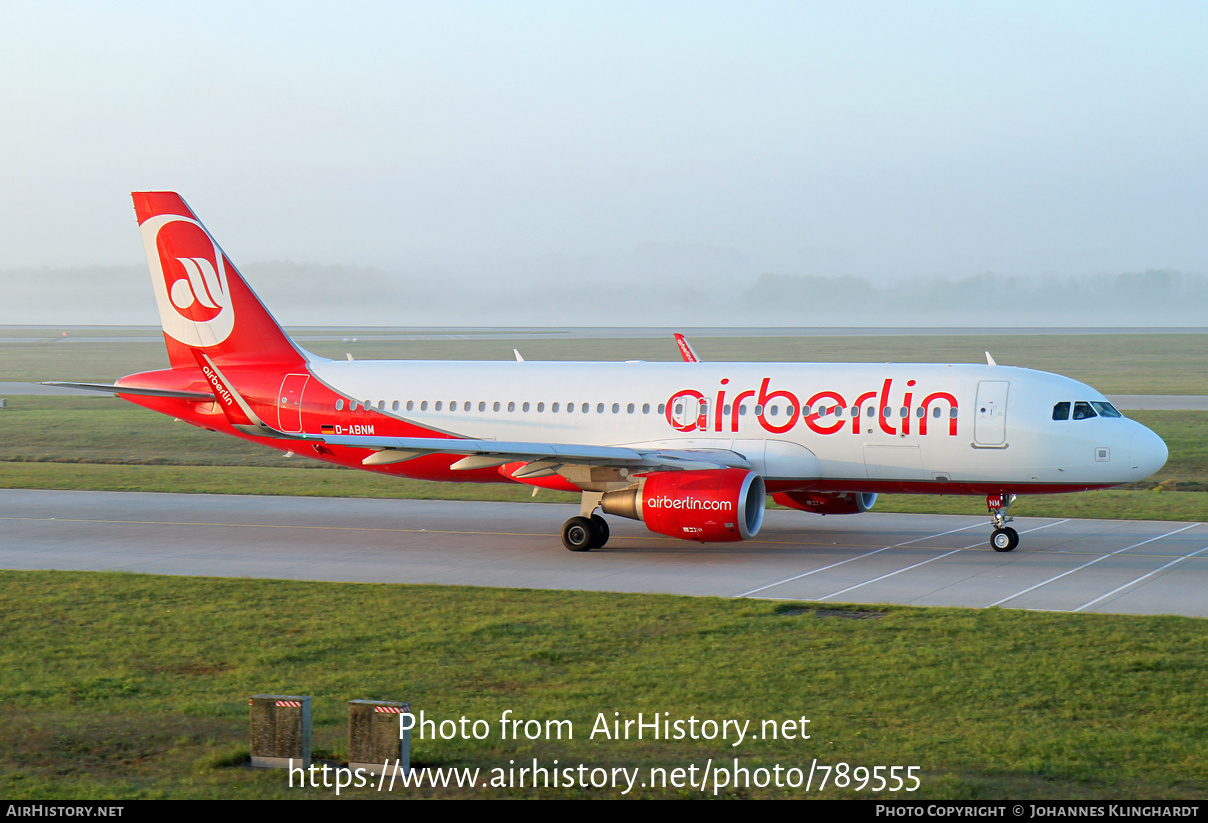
{"x":204,"y":303}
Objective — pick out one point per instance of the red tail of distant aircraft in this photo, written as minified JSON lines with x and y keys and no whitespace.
{"x":691,"y":449}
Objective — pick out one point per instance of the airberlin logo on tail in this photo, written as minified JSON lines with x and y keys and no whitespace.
{"x":199,"y":290}
{"x":190,"y":280}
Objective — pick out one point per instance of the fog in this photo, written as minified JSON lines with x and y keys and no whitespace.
{"x":635,"y":292}
{"x":620,"y":163}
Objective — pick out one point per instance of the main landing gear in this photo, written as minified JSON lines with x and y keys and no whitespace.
{"x":587,"y":531}
{"x":582,"y":534}
{"x":1003,"y":538}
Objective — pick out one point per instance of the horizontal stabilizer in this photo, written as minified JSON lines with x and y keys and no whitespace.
{"x":135,"y":390}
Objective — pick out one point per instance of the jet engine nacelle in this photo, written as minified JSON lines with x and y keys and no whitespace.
{"x":712,"y":506}
{"x":827,"y":503}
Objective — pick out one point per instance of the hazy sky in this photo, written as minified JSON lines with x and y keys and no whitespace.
{"x":494,"y":142}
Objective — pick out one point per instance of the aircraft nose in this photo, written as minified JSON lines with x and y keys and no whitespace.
{"x":1147,"y":452}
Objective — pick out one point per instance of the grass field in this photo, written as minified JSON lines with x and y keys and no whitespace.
{"x":1112,"y":363}
{"x":126,"y":686}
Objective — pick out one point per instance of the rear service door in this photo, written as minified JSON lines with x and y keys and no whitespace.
{"x":990,"y":415}
{"x":289,"y":405}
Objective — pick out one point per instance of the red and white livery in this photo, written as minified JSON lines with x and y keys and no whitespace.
{"x":689,"y":448}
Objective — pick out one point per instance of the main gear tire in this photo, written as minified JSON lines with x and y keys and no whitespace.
{"x":579,"y":534}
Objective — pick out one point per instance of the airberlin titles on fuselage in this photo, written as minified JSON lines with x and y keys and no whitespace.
{"x":825,"y":409}
{"x":688,"y":410}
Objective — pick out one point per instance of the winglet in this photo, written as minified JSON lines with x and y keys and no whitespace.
{"x":990,"y":360}
{"x":686,"y":350}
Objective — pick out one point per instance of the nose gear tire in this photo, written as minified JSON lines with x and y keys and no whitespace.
{"x":1004,"y":540}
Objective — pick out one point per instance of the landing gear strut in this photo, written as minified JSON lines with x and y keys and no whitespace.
{"x":1003,"y":538}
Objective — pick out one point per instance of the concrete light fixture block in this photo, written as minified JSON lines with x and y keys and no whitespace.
{"x":376,"y":735}
{"x":280,"y":731}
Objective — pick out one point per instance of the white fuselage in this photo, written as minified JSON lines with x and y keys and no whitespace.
{"x":886,"y":424}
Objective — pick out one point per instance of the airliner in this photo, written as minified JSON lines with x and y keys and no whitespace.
{"x":690,"y":448}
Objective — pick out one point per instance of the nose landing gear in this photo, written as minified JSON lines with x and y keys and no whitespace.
{"x":1003,"y":538}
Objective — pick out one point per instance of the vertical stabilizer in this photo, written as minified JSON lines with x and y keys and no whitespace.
{"x":204,"y":304}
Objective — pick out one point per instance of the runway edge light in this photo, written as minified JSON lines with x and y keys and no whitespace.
{"x":280,"y":731}
{"x":376,"y":735}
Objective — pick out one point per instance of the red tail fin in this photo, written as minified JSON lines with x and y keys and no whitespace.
{"x":204,"y":303}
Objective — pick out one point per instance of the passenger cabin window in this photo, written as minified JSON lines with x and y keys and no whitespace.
{"x":1061,"y":411}
{"x":1083,"y":410}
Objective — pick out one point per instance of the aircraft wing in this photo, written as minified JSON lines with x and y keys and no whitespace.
{"x":543,"y":456}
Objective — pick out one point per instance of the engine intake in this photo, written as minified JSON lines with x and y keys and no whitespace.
{"x":711,"y":506}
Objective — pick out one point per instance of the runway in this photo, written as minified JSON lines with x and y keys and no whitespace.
{"x":1132,"y":567}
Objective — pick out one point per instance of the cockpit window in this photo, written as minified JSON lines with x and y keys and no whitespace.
{"x":1083,"y":410}
{"x":1105,"y":409}
{"x":1061,"y":411}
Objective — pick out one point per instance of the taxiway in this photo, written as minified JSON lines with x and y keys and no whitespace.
{"x":1116,"y":566}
